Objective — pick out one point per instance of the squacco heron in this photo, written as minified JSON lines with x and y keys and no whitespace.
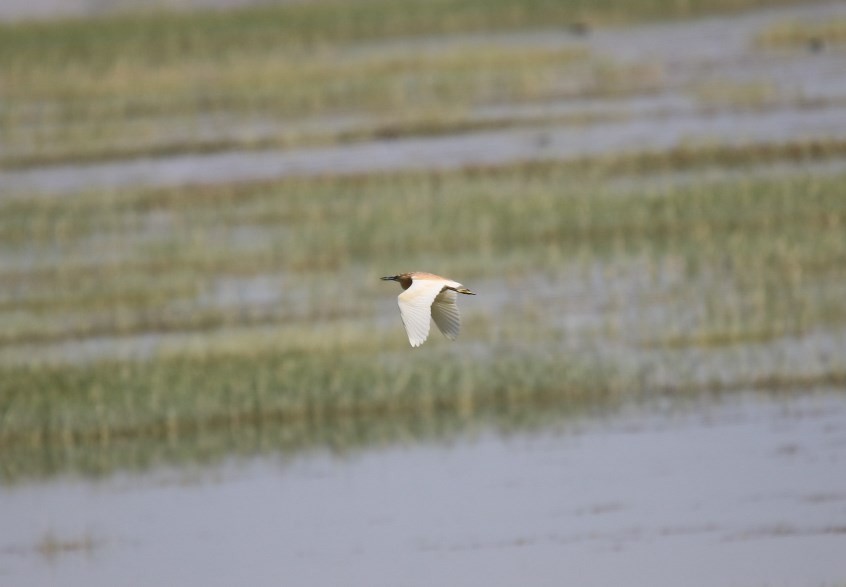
{"x":427,"y":295}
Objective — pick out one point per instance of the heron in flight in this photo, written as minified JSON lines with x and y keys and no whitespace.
{"x":428,"y":295}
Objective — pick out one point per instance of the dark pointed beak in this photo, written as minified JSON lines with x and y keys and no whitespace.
{"x":389,"y":278}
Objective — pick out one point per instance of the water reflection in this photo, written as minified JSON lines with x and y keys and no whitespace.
{"x":746,"y":490}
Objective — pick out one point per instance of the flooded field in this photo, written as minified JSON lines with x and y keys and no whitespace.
{"x":628,"y":90}
{"x":743,"y":491}
{"x":204,"y":381}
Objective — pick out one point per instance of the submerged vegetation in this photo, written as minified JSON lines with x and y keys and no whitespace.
{"x":141,"y":324}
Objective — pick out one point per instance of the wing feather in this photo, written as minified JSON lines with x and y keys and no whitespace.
{"x":445,"y":313}
{"x":415,"y":306}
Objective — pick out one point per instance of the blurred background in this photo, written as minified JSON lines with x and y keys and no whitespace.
{"x":203,"y":380}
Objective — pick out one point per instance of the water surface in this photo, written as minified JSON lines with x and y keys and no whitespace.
{"x":745,"y":491}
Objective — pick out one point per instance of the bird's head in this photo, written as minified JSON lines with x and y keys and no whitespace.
{"x":404,"y":279}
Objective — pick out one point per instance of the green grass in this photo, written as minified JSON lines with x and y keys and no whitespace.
{"x":248,"y":417}
{"x":160,"y":38}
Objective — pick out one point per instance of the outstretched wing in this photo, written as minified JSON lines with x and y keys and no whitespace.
{"x":445,"y":313}
{"x":415,"y":306}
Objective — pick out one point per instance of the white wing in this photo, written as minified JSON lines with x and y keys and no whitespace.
{"x":445,"y":313}
{"x":415,"y":306}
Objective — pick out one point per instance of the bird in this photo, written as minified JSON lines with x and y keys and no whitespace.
{"x":424,"y":295}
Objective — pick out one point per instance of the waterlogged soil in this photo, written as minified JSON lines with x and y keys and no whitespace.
{"x":741,"y":491}
{"x":703,"y":82}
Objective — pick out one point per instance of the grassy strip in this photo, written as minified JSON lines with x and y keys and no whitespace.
{"x":164,"y":37}
{"x":180,"y":396}
{"x":414,"y":125}
{"x":805,"y":34}
{"x":82,"y":428}
{"x":769,"y":238}
{"x":52,"y":220}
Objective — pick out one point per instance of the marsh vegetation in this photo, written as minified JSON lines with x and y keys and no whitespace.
{"x":160,"y":313}
{"x":139,"y":323}
{"x":297,"y":74}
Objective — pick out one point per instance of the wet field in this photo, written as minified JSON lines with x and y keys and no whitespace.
{"x":693,"y":83}
{"x":202,"y":379}
{"x":744,"y":491}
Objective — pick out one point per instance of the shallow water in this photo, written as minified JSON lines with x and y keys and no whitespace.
{"x":745,"y":491}
{"x":450,"y":152}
